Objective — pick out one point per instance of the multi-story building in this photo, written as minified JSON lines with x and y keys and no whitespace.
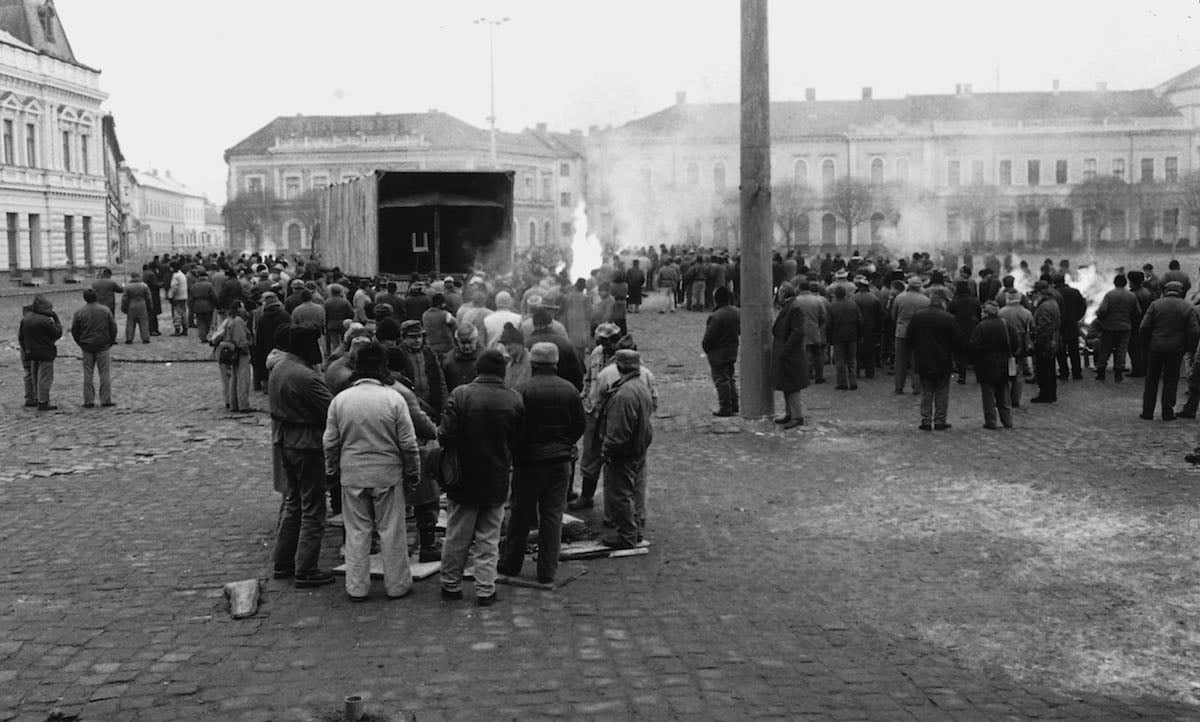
{"x":52,"y":183}
{"x":114,"y":166}
{"x":1020,"y":169}
{"x":168,"y":217}
{"x":273,"y":171}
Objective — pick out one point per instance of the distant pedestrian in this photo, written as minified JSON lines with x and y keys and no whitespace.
{"x":370,"y":447}
{"x":37,"y":336}
{"x":203,"y":299}
{"x":480,"y":429}
{"x":993,"y":347}
{"x":232,"y":344}
{"x":1169,"y":329}
{"x":137,"y":304}
{"x":935,"y":338}
{"x":720,"y":345}
{"x":95,"y":331}
{"x":177,"y":294}
{"x":1047,"y":325}
{"x":789,"y":359}
{"x":844,"y":330}
{"x":1117,"y":316}
{"x":626,"y":434}
{"x":106,"y":290}
{"x":338,"y":310}
{"x":458,"y":367}
{"x":268,"y":317}
{"x":635,"y":278}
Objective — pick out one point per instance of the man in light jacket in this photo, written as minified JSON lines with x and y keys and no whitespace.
{"x":370,"y":446}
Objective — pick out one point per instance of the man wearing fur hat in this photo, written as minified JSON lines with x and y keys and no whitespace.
{"x":589,"y":460}
{"x":1169,"y":329}
{"x":542,"y":462}
{"x":625,"y":432}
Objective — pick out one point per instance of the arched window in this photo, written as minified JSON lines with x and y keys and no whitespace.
{"x":828,"y":173}
{"x":902,"y":170}
{"x":293,"y":236}
{"x":800,"y":172}
{"x":693,"y":174}
{"x":829,"y":229}
{"x":532,"y":232}
{"x":719,"y":177}
{"x":876,"y":226}
{"x":877,"y":171}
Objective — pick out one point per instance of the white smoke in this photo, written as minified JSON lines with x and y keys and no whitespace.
{"x":587,"y":254}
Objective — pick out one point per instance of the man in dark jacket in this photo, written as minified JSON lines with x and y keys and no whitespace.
{"x":1117,"y":315}
{"x":480,"y":428}
{"x":413,"y":359}
{"x":844,"y":333}
{"x":992,"y":348}
{"x":152,"y":281}
{"x":626,"y":433}
{"x":37,"y":335}
{"x":299,"y":403}
{"x":1074,"y":307}
{"x":570,"y":366}
{"x":542,"y":462}
{"x":95,"y":331}
{"x":1169,"y":329}
{"x":107,"y":289}
{"x":720,"y":345}
{"x":870,"y":311}
{"x":1137,"y":352}
{"x":458,"y":367}
{"x":203,"y":300}
{"x":935,"y":337}
{"x":1047,"y":325}
{"x":965,"y":308}
{"x":267,"y":319}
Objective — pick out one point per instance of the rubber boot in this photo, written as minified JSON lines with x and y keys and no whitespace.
{"x":427,"y":515}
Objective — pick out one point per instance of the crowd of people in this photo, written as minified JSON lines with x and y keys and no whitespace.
{"x":499,"y":391}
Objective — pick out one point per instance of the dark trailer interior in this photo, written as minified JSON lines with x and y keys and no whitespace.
{"x":442,"y":221}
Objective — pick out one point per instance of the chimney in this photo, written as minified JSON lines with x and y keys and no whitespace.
{"x":866,"y":92}
{"x":1102,"y":87}
{"x":810,"y":94}
{"x":1054,"y":86}
{"x":680,"y":97}
{"x":541,"y":127}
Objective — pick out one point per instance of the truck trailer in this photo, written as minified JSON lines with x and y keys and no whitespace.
{"x":396,"y":223}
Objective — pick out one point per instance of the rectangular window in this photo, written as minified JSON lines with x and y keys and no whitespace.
{"x":87,"y":241}
{"x":564,"y":200}
{"x":1119,"y":168}
{"x":83,"y":155}
{"x":1171,"y":224}
{"x":13,"y":223}
{"x":1006,"y":225}
{"x":320,"y":181}
{"x":291,"y":187}
{"x":66,"y":149}
{"x":254,"y":184}
{"x":35,"y":240}
{"x":564,"y":170}
{"x":31,"y":145}
{"x":1033,"y":172}
{"x":1089,"y":168}
{"x":977,"y":172}
{"x":1060,"y":172}
{"x":69,"y":238}
{"x":1006,"y":172}
{"x":953,"y":174}
{"x":8,"y":142}
{"x":547,"y":187}
{"x":1171,"y":170}
{"x":1147,"y":170}
{"x":529,"y":186}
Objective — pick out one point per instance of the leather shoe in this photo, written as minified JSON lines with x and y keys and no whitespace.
{"x":581,"y":503}
{"x":89,"y":406}
{"x":487,"y":601}
{"x":782,"y":419}
{"x":282,"y":574}
{"x":722,"y":413}
{"x":794,"y":423}
{"x":941,"y":427}
{"x":356,"y":598}
{"x":1146,"y":418}
{"x":925,"y":427}
{"x":108,"y":404}
{"x":317,"y":578}
{"x":991,"y":427}
{"x":1039,"y":400}
{"x":1186,"y":414}
{"x":451,"y":596}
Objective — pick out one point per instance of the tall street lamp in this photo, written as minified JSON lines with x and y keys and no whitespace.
{"x":492,"y":24}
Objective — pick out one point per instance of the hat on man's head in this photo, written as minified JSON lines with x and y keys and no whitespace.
{"x":861,"y":280}
{"x":1175,"y":288}
{"x":382,"y":311}
{"x":914,"y":283}
{"x":841,"y":274}
{"x":722,"y":295}
{"x":388,"y":329}
{"x":628,"y":360}
{"x":511,"y":334}
{"x":412,"y":328}
{"x":354,"y":330}
{"x":491,"y":362}
{"x":627,"y":342}
{"x":607,"y":330}
{"x":990,"y":309}
{"x":543,"y":352}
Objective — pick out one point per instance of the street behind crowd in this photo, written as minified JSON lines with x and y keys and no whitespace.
{"x":854,"y":568}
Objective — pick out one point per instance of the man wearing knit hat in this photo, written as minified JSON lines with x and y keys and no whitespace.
{"x":589,"y":459}
{"x":480,"y":428}
{"x":626,"y":434}
{"x":542,"y":463}
{"x":1169,"y":329}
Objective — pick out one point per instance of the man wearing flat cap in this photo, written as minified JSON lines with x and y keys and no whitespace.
{"x":589,"y":459}
{"x":1047,"y":325}
{"x":625,"y":432}
{"x":1169,"y":329}
{"x":542,"y":462}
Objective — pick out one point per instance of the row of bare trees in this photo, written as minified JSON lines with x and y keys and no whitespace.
{"x":253,"y":212}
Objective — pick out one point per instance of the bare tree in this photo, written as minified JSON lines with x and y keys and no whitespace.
{"x":251,"y":212}
{"x":853,"y":201}
{"x":1099,"y":198}
{"x":790,"y":203}
{"x":977,"y":204}
{"x":1187,"y":194}
{"x":307,"y":209}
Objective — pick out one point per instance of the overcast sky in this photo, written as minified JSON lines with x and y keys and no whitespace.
{"x":189,"y":79}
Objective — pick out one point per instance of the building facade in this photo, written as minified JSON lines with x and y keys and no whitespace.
{"x":273,"y":172}
{"x":53,"y":194}
{"x":165,"y":216}
{"x":1033,"y":169}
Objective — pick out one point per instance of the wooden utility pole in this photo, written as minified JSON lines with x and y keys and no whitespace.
{"x":758,"y":394}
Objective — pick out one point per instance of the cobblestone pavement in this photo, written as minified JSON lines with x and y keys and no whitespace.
{"x":858,"y":569}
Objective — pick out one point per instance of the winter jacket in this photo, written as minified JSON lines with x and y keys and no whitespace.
{"x":814,"y":307}
{"x":299,"y":403}
{"x":439,"y":330}
{"x":966,"y":310}
{"x":204,"y":298}
{"x":570,"y":366}
{"x":39,"y":330}
{"x":94,"y":328}
{"x":1047,"y":320}
{"x":934,"y":337}
{"x":459,"y":368}
{"x":178,"y":290}
{"x":137,"y":301}
{"x":106,"y":292}
{"x":721,"y":335}
{"x":369,"y":438}
{"x":1073,"y":309}
{"x":870,"y":312}
{"x":1118,"y":311}
{"x":310,"y":313}
{"x":432,"y":388}
{"x":789,"y":361}
{"x":481,"y":425}
{"x":993,"y":342}
{"x":554,"y":419}
{"x":415,"y":305}
{"x":230,"y":290}
{"x":845,"y":322}
{"x":1170,"y":326}
{"x":904,"y":306}
{"x":624,"y":421}
{"x":271,"y":318}
{"x":337,"y":311}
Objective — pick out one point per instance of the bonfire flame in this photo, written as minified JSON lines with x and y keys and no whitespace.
{"x":586,"y":252}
